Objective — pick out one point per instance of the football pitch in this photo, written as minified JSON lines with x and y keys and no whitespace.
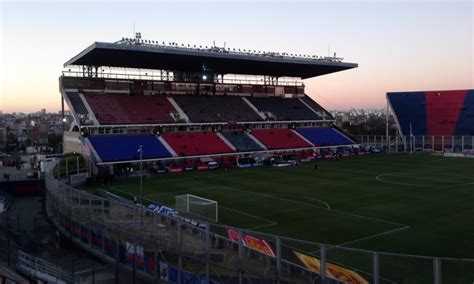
{"x":411,"y":204}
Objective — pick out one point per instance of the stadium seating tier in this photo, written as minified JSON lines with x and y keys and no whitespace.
{"x":241,"y":141}
{"x":196,"y":143}
{"x":125,"y":147}
{"x":275,"y":139}
{"x":283,"y":108}
{"x":216,"y":108}
{"x":77,"y":103}
{"x":125,"y":109}
{"x":325,"y":136}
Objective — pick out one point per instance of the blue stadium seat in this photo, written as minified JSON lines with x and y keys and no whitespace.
{"x":322,"y":136}
{"x":124,"y":147}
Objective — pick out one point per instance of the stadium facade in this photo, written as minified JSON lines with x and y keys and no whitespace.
{"x":187,"y":105}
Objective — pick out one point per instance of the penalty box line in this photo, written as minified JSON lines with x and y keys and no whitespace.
{"x":268,"y":222}
{"x":319,"y":207}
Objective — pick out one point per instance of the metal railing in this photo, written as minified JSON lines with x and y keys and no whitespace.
{"x":149,"y":243}
{"x":42,"y":269}
{"x":453,"y":144}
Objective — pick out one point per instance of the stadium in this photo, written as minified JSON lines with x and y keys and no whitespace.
{"x":196,"y":164}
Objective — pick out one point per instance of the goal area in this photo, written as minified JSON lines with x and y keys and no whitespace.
{"x":198,"y":206}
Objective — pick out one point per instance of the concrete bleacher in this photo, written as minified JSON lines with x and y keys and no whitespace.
{"x":125,"y":109}
{"x":283,"y":108}
{"x":324,"y":136}
{"x":275,"y":139}
{"x":216,"y":108}
{"x":125,"y":147}
{"x":196,"y":143}
{"x":77,"y":103}
{"x":242,"y":141}
{"x":322,"y":113}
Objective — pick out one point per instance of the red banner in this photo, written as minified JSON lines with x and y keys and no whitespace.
{"x":251,"y":242}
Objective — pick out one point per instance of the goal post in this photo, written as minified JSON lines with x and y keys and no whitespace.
{"x":196,"y":205}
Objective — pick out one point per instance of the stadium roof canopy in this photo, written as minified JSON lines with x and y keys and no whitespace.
{"x":212,"y":60}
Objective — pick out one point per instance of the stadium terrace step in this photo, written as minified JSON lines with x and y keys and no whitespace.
{"x":241,"y":141}
{"x":77,"y":103}
{"x":124,"y":147}
{"x":286,"y":109}
{"x":196,"y":143}
{"x":280,"y":139}
{"x":126,"y":109}
{"x":215,"y":108}
{"x":324,"y":136}
{"x":320,"y":111}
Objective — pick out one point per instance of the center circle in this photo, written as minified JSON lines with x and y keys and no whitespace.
{"x":424,"y":180}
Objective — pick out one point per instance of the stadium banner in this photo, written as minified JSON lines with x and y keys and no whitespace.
{"x":333,"y":271}
{"x":164,"y":271}
{"x":176,"y":170}
{"x":160,"y":209}
{"x":251,"y":242}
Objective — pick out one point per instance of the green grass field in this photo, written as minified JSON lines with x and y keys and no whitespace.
{"x":395,"y":203}
{"x":409,"y":204}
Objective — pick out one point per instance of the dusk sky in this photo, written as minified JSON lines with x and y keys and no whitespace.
{"x":399,"y":45}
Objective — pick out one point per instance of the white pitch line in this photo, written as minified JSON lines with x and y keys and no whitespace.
{"x":366,"y":238}
{"x":181,"y":190}
{"x":306,"y":197}
{"x":270,"y":222}
{"x":319,"y":207}
{"x":394,"y":174}
{"x":374,"y":236}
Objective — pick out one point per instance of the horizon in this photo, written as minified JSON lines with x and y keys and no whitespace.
{"x":399,"y":45}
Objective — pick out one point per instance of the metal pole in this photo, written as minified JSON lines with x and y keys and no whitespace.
{"x":387,"y":114}
{"x":241,"y":252}
{"x":134,"y":245}
{"x":207,"y":247}
{"x":375,"y":268}
{"x":180,"y":258}
{"x":278,"y":257}
{"x":437,"y":270}
{"x":141,"y":182}
{"x":323,"y":264}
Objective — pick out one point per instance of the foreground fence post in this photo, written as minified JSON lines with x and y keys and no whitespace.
{"x":241,"y":266}
{"x":207,"y":247}
{"x":437,"y":270}
{"x":180,"y":260}
{"x":278,"y":257}
{"x":323,"y":264}
{"x":375,"y":268}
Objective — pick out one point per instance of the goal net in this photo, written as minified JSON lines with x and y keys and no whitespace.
{"x":199,"y":206}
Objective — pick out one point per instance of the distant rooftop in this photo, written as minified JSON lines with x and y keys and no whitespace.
{"x":145,"y":54}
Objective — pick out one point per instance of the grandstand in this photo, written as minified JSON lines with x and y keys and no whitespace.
{"x":142,"y":107}
{"x":185,"y":102}
{"x":434,"y":113}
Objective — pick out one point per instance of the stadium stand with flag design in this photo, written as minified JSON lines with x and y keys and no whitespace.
{"x":434,"y":113}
